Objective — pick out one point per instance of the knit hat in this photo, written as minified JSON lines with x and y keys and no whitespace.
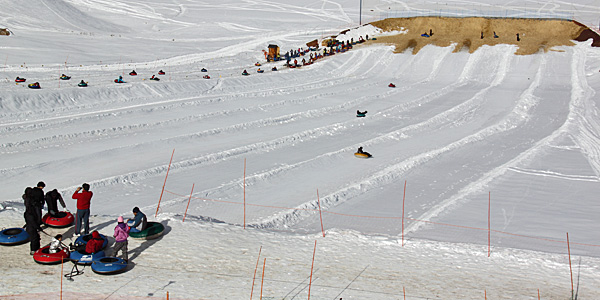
{"x":120,"y":219}
{"x":95,"y":234}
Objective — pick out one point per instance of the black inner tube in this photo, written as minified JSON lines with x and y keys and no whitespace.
{"x":107,"y":260}
{"x":12,"y":231}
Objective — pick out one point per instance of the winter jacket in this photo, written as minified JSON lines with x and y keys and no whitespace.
{"x":121,"y":232}
{"x":37,"y":199}
{"x":95,"y":244}
{"x":54,"y":246}
{"x":83,"y":199}
{"x":51,"y":198}
{"x":31,"y":215}
{"x":140,"y":219}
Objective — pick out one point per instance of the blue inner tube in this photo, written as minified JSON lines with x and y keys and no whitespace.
{"x":83,"y":239}
{"x":13,"y":236}
{"x":109,"y":265}
{"x":84,"y":258}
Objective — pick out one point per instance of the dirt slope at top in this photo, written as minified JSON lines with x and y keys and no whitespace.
{"x":471,"y":33}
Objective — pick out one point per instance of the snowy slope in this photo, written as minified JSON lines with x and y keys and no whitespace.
{"x":459,"y":130}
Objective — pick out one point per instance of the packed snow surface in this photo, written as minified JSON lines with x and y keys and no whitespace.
{"x":466,"y":147}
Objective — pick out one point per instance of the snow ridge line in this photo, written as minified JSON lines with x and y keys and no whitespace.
{"x":584,"y":114}
{"x":555,"y":174}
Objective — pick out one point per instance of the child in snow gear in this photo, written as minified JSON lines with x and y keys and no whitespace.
{"x":64,"y":77}
{"x":139,"y":220}
{"x":245,"y":73}
{"x":206,"y":77}
{"x":35,"y":85}
{"x":154,"y":78}
{"x":274,"y":69}
{"x":83,"y":208}
{"x":51,"y":201}
{"x":18,"y":79}
{"x":56,"y":244}
{"x":82,"y":83}
{"x":120,"y":235}
{"x":203,"y":70}
{"x":133,"y":73}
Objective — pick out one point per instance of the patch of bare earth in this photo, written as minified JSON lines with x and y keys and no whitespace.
{"x":471,"y":33}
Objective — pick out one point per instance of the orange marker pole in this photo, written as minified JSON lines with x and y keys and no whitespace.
{"x":404,"y":292}
{"x":489,"y":222}
{"x":311,"y":269}
{"x":188,"y":205}
{"x":403,"y":199}
{"x":62,"y":261}
{"x":256,"y":268}
{"x":165,"y":183}
{"x":570,"y":267}
{"x":538,"y":294}
{"x":320,"y":215}
{"x":263,"y":278}
{"x":244,"y":193}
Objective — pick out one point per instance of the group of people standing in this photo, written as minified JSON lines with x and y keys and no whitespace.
{"x":34,"y":199}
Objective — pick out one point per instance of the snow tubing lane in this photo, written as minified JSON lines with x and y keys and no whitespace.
{"x":84,"y":258}
{"x":153,"y":231}
{"x":62,"y":219}
{"x":83,"y":239}
{"x":44,"y":257}
{"x":362,"y":155}
{"x":109,"y":265}
{"x":13,"y":236}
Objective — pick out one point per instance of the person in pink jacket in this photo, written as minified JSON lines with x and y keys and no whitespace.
{"x":121,"y":234}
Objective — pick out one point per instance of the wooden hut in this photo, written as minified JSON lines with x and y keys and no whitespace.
{"x":273,"y":53}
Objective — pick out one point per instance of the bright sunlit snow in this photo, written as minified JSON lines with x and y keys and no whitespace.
{"x":459,"y":130}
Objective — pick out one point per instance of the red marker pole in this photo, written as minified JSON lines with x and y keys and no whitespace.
{"x":255,"y":268}
{"x":188,"y":205}
{"x":403,"y":199}
{"x":244,"y":193}
{"x":570,"y":267}
{"x":311,"y":269}
{"x":489,"y":222}
{"x":320,"y":215}
{"x":163,"y":187}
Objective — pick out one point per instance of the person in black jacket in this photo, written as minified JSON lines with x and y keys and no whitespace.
{"x":51,"y":201}
{"x":38,"y":199}
{"x":32,"y":224}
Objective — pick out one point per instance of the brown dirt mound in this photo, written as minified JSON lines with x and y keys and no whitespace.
{"x":466,"y":33}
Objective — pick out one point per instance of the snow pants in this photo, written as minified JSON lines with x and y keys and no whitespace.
{"x":123,"y":247}
{"x":83,"y":216}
